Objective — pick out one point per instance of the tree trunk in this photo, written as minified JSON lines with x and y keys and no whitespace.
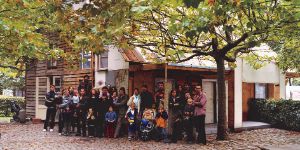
{"x":222,"y":117}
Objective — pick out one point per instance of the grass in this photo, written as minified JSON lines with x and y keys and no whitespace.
{"x":5,"y":119}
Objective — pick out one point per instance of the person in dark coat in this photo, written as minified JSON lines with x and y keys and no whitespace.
{"x":146,"y":99}
{"x":132,"y":117}
{"x":121,"y":108}
{"x":82,"y":116}
{"x":175,"y":115}
{"x":101,"y":108}
{"x":51,"y":103}
{"x":188,"y":115}
{"x":86,"y":85}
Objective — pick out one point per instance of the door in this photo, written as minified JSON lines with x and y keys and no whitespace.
{"x":208,"y":89}
{"x":42,"y":86}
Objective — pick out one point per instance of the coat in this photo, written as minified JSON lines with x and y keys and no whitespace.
{"x":121,"y":105}
{"x":200,"y":104}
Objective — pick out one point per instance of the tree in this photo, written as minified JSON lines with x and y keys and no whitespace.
{"x":23,"y":25}
{"x":178,"y":30}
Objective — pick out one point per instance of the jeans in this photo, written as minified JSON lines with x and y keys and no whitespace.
{"x":67,"y":118}
{"x":50,"y":118}
{"x":81,"y":125}
{"x":162,"y":133}
{"x":200,"y":128}
{"x":188,"y":124}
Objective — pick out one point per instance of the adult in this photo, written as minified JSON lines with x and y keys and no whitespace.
{"x":199,"y":114}
{"x":51,"y":102}
{"x":105,"y":91}
{"x":94,"y":97}
{"x":121,"y":108}
{"x":136,"y":99}
{"x":66,"y":111}
{"x":175,"y":115}
{"x":101,"y":108}
{"x":159,"y":95}
{"x":86,"y":85}
{"x":81,"y":124}
{"x":181,"y":95}
{"x":146,"y":99}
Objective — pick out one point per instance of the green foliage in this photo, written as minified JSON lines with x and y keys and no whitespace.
{"x":5,"y":106}
{"x":283,"y":114}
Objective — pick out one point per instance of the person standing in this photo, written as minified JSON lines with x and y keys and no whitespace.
{"x":188,"y":114}
{"x":135,"y":99}
{"x":82,"y":116}
{"x":121,"y":108}
{"x":75,"y":101}
{"x":132,"y":117}
{"x":175,"y":115}
{"x":86,"y":85}
{"x":66,"y":111}
{"x":159,"y":95}
{"x":101,"y":108}
{"x":51,"y":102}
{"x":199,"y":114}
{"x":146,"y":99}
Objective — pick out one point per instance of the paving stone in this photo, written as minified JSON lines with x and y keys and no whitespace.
{"x":30,"y":136}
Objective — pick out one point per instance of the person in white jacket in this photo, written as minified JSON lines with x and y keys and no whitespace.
{"x":136,"y":99}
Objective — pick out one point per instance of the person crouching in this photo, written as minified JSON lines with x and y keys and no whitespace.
{"x":110,"y":122}
{"x":131,"y":116}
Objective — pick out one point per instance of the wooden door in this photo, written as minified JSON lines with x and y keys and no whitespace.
{"x":42,"y":86}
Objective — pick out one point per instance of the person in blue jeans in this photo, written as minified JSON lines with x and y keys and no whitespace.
{"x":132,"y":117}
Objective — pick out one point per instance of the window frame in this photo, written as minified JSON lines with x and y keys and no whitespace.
{"x":100,"y":57}
{"x":83,"y":55}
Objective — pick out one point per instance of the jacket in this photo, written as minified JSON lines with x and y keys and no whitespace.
{"x":200,"y":104}
{"x":51,"y":100}
{"x":137,"y":104}
{"x":161,"y":119}
{"x":121,"y":105}
{"x":111,"y":116}
{"x":146,"y":100}
{"x":188,"y":111}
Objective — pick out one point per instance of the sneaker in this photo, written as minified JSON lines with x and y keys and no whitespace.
{"x":129,"y":138}
{"x":59,"y":133}
{"x":44,"y":130}
{"x":51,"y":130}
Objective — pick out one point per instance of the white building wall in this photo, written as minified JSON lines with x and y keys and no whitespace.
{"x":245,"y":73}
{"x":115,"y":62}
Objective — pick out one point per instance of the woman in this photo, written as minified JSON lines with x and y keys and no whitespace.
{"x":136,"y":99}
{"x":175,"y":115}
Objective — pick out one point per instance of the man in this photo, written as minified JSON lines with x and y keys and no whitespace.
{"x":199,"y":114}
{"x":86,"y":85}
{"x":101,"y":108}
{"x":159,"y":94}
{"x":121,"y":108}
{"x":51,"y":102}
{"x":81,"y":125}
{"x":146,"y":99}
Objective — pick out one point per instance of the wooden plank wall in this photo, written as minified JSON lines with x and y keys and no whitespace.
{"x":30,"y":89}
{"x":68,"y":77}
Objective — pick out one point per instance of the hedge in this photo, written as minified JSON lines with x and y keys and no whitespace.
{"x":5,"y":104}
{"x":284,"y":114}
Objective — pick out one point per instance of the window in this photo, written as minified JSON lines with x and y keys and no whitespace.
{"x":56,"y":80}
{"x":261,"y":90}
{"x":103,"y":60}
{"x":85,"y":60}
{"x":51,"y":63}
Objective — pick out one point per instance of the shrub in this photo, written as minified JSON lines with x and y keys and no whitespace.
{"x":281,"y":113}
{"x":5,"y":107}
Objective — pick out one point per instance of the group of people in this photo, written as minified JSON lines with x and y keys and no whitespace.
{"x":87,"y":111}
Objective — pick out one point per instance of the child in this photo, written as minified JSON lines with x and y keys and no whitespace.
{"x":91,"y":123}
{"x":110,"y":119}
{"x":161,"y":124}
{"x":131,"y":116}
{"x":188,"y":114}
